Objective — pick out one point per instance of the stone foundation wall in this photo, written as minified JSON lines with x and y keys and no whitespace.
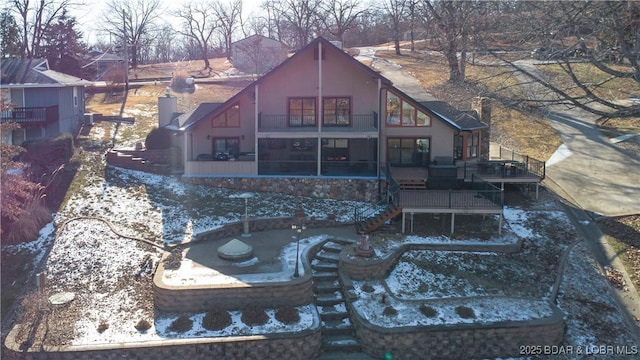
{"x":362,"y":268}
{"x":464,"y":341}
{"x":300,"y":345}
{"x":343,"y":189}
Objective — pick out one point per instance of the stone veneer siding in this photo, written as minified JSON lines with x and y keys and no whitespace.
{"x":462,"y":341}
{"x":322,"y":188}
{"x":299,"y":345}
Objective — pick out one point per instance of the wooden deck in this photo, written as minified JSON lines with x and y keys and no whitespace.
{"x":452,"y":202}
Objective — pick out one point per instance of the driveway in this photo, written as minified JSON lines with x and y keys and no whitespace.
{"x":588,"y":170}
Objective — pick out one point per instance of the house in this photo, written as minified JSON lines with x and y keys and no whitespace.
{"x":257,"y":54}
{"x":106,"y":63}
{"x":323,"y":113}
{"x":44,"y":102}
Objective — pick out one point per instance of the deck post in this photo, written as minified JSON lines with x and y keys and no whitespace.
{"x":403,"y":221}
{"x":500,"y":224}
{"x":412,"y":222}
{"x":537,"y":187}
{"x":453,"y":221}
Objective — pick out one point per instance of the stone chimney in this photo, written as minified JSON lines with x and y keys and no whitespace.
{"x":482,"y":107}
{"x":167,"y":106}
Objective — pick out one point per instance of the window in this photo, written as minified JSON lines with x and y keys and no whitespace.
{"x":402,"y":113}
{"x":228,"y":146}
{"x":335,"y":149}
{"x":458,"y":149}
{"x":408,"y":151}
{"x":336,"y":111}
{"x":302,"y":112}
{"x":473,"y":142}
{"x":229,"y":118}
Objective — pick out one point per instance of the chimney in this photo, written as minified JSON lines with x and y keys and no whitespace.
{"x":482,"y":107}
{"x":167,"y":106}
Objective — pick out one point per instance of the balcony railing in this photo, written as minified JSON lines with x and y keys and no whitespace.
{"x":284,"y":123}
{"x":31,"y":115}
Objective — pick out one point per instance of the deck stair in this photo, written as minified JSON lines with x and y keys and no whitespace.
{"x":371,"y":223}
{"x":338,"y":334}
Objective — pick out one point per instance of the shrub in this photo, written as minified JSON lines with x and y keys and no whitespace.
{"x":216,"y":319}
{"x":103,"y":327}
{"x":465,"y":312}
{"x":179,"y":82}
{"x":254,"y":315}
{"x":428,"y":311}
{"x":368,"y":288}
{"x":143,"y":325}
{"x":287,"y":315}
{"x":389,"y":311}
{"x":181,"y":324}
{"x":158,"y":138}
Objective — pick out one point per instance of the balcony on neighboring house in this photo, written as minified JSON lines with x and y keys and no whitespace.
{"x":31,"y":116}
{"x":288,"y":123}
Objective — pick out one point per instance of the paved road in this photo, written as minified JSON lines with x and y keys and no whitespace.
{"x":588,"y":170}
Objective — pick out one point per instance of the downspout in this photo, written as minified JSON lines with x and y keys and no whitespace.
{"x":381,"y":189}
{"x":319,"y":143}
{"x":256,"y":116}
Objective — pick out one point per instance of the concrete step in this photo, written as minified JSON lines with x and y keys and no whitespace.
{"x":333,"y":312}
{"x":326,"y":286}
{"x":340,"y":342}
{"x":329,"y":298}
{"x":343,"y":355}
{"x":318,"y":265}
{"x":332,"y":247}
{"x":337,"y":327}
{"x":321,"y":276}
{"x":327,"y":256}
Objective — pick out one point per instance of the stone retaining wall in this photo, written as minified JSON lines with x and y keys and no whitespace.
{"x":463,"y":341}
{"x":299,"y":345}
{"x":363,"y":268}
{"x":200,"y":298}
{"x":322,"y":188}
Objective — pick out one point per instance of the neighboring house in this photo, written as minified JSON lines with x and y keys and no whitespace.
{"x":257,"y":54}
{"x":323,"y":113}
{"x":104,"y":63}
{"x":44,"y":102}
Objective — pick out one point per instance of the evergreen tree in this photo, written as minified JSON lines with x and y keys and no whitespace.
{"x":62,"y":46}
{"x":10,"y":35}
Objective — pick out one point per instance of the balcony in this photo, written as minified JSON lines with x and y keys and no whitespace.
{"x":284,"y":123}
{"x":31,"y":116}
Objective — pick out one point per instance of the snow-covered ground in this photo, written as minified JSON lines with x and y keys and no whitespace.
{"x":101,"y":268}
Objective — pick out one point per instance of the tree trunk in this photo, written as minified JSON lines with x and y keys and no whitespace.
{"x":397,"y":45}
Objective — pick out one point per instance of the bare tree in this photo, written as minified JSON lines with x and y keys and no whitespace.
{"x":35,"y":18}
{"x":397,"y":12}
{"x":229,"y":17}
{"x":453,"y":22}
{"x":199,"y":24}
{"x":302,"y":17}
{"x":341,"y":16}
{"x":132,"y":21}
{"x":605,"y":35}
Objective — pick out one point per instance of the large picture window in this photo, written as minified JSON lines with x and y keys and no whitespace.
{"x":402,"y":113}
{"x":229,"y":147}
{"x":229,"y":118}
{"x":302,"y":111}
{"x":336,"y":111}
{"x":408,"y":151}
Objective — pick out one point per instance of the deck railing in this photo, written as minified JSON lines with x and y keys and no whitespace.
{"x":31,"y":115}
{"x":531,"y":165}
{"x":284,"y":123}
{"x":388,"y":196}
{"x":519,"y":166}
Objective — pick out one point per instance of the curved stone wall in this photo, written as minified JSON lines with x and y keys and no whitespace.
{"x":299,"y":345}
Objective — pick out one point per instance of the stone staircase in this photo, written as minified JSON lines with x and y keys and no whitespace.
{"x":370,"y":224}
{"x":338,"y":335}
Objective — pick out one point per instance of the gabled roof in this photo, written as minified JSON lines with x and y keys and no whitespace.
{"x":451,"y":116}
{"x":22,"y":73}
{"x":202,"y":111}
